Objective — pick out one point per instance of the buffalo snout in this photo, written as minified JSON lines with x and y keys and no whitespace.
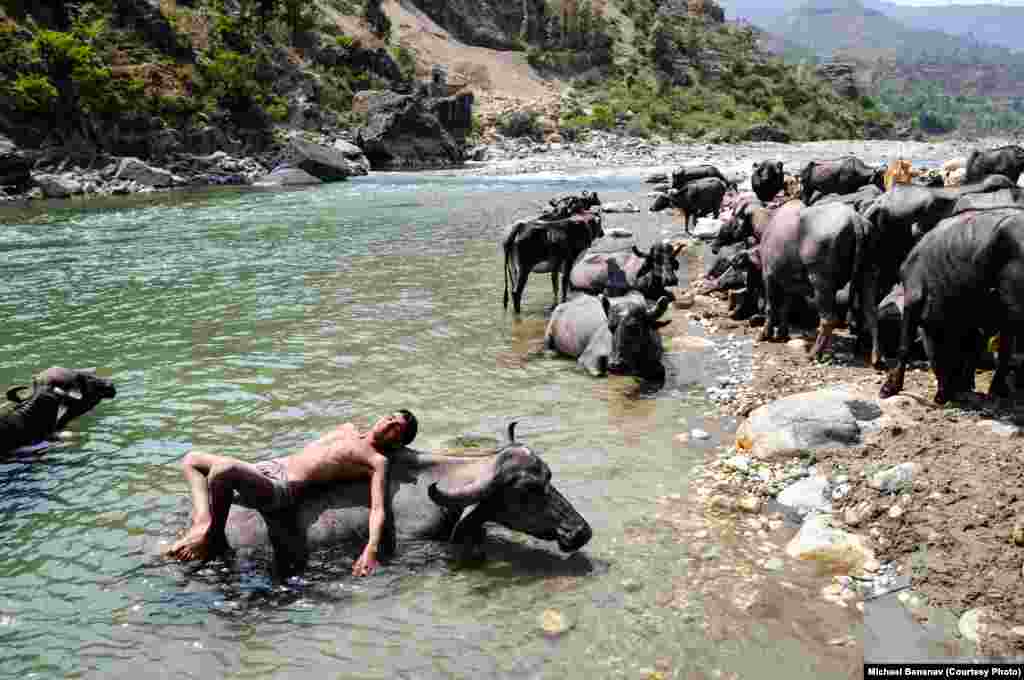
{"x":573,"y":538}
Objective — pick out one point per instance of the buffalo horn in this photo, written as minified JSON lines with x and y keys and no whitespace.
{"x":659,"y":308}
{"x":12,"y":394}
{"x":511,"y":433}
{"x":636,"y":251}
{"x":467,"y":494}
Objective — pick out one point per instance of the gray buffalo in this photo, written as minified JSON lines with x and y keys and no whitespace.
{"x":617,"y":273}
{"x":965,"y":275}
{"x":838,"y":176}
{"x":429,"y":497}
{"x":1012,"y":197}
{"x":546,"y":246}
{"x":1004,"y":160}
{"x":767,"y":179}
{"x":610,"y":335}
{"x":817,"y":251}
{"x":749,"y":219}
{"x":59,"y":395}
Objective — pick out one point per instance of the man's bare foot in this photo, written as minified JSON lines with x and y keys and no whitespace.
{"x":195,"y":545}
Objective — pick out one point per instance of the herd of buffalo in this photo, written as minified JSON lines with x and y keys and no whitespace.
{"x":945,"y":263}
{"x":939,"y":264}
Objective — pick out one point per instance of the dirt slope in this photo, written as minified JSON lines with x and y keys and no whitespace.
{"x":501,"y":80}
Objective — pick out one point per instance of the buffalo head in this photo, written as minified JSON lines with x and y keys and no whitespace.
{"x":515,"y":492}
{"x":636,"y":344}
{"x":80,"y":391}
{"x":658,"y":271}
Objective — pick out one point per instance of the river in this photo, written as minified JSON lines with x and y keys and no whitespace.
{"x":245,"y":323}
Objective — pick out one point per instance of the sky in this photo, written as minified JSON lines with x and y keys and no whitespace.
{"x":941,"y":3}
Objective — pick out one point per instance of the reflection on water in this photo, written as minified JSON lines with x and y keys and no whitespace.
{"x":245,"y":323}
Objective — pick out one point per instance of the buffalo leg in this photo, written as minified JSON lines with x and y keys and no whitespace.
{"x":1007,"y":345}
{"x":517,"y":292}
{"x":908,"y":327}
{"x":825,"y":302}
{"x":869,"y":316}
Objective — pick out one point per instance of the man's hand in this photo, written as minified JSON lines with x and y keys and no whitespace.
{"x":366,"y":563}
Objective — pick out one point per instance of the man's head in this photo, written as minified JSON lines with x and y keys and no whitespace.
{"x":395,"y":430}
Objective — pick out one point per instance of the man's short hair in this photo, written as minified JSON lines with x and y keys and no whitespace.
{"x":411,"y":426}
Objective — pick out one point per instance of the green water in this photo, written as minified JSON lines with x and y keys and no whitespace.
{"x":245,"y":323}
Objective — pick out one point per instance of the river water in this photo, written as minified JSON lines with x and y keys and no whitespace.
{"x":245,"y":323}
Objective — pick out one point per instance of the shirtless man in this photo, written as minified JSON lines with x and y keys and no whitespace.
{"x":276,"y":485}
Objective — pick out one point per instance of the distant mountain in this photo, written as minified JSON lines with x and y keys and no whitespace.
{"x":1001,"y":25}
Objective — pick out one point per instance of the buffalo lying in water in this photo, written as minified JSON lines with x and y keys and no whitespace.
{"x":59,"y":395}
{"x":650,"y":273}
{"x":430,"y":496}
{"x":610,"y":335}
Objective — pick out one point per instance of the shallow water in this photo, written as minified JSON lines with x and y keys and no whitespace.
{"x":245,"y":323}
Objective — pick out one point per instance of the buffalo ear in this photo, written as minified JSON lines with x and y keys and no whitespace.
{"x":606,"y":304}
{"x":678,"y":247}
{"x":12,"y":394}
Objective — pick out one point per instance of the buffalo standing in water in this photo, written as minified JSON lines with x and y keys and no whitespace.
{"x":430,"y":496}
{"x":59,"y":395}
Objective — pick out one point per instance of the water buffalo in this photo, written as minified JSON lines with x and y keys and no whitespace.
{"x":59,"y":395}
{"x":1012,"y":197}
{"x":698,"y":198}
{"x":617,"y":273}
{"x":428,"y":497}
{"x":546,"y":246}
{"x":749,"y":219}
{"x":690,"y":173}
{"x":610,"y":335}
{"x":900,"y":215}
{"x":816,"y":251}
{"x":859,"y":200}
{"x":838,"y":176}
{"x":1004,"y":160}
{"x":964,"y":275}
{"x":767,"y":179}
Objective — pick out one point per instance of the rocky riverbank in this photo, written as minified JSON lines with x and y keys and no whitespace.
{"x":895,"y":498}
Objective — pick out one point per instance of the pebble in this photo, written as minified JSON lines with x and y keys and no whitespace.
{"x":554,"y":623}
{"x":699,"y":434}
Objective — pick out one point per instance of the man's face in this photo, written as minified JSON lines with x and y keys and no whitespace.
{"x":388,"y":430}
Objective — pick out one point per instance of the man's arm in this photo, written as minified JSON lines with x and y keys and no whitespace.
{"x":367,"y":562}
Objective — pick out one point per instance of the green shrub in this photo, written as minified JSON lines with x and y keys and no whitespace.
{"x":520,"y":124}
{"x":33,"y":93}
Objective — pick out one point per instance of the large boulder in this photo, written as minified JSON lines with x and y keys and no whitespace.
{"x":801,"y":423}
{"x":323,"y":162}
{"x":401,"y":132}
{"x":487,"y":23}
{"x":58,"y":186}
{"x":15,"y":164}
{"x":132,"y":169}
{"x":287,"y":177}
{"x":358,"y":161}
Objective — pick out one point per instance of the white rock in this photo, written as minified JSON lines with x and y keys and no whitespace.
{"x":806,"y":495}
{"x":699,"y":434}
{"x":690,"y":343}
{"x":707,"y":228}
{"x":894,"y":478}
{"x":817,"y":540}
{"x":57,"y":186}
{"x":134,"y":170}
{"x":620,"y":207}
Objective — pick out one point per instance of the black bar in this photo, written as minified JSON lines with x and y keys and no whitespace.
{"x":902,"y":671}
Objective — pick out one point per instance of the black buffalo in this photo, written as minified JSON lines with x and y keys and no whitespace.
{"x":431,"y":496}
{"x":965,"y":275}
{"x":859,"y":200}
{"x":1004,"y":160}
{"x":546,"y":246}
{"x":610,"y":335}
{"x":697,"y":198}
{"x":690,"y":173}
{"x":59,"y":395}
{"x":904,"y":212}
{"x":838,"y":176}
{"x":617,"y":273}
{"x":767,"y":179}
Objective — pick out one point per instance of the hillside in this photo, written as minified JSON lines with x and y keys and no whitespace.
{"x":161,"y":78}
